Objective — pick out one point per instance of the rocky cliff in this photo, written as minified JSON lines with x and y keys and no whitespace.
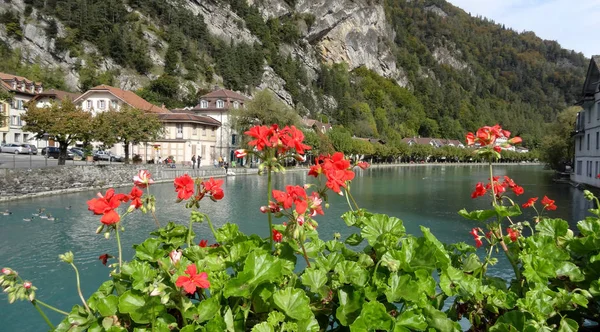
{"x":355,"y":32}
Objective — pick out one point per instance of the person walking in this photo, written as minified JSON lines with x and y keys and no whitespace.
{"x":193,"y":161}
{"x":216,"y":163}
{"x":199,"y":161}
{"x":226,"y":165}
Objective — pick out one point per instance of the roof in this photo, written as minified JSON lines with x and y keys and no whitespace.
{"x":128,"y":97}
{"x":188,"y":118}
{"x":224,"y":93}
{"x":58,"y":94}
{"x":8,"y":77}
{"x":592,"y":77}
{"x":4,"y":76}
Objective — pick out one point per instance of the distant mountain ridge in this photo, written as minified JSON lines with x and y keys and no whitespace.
{"x":381,"y":68}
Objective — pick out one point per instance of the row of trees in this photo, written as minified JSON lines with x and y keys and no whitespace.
{"x":67,"y":124}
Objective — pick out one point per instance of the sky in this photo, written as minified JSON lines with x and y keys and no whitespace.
{"x":574,"y":24}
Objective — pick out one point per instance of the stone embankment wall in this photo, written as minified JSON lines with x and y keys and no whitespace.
{"x":21,"y":183}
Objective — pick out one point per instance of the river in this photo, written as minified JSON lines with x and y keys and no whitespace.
{"x":428,"y":196}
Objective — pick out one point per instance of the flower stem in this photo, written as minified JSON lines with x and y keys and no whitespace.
{"x":189,"y":236}
{"x":52,"y":308}
{"x":348,"y":200}
{"x":352,"y":197}
{"x":119,"y":246}
{"x":79,"y":288}
{"x":43,"y":315}
{"x":269,"y":186}
{"x":212,"y":228}
{"x":492,"y":182}
{"x":305,"y":254}
{"x":152,"y":210}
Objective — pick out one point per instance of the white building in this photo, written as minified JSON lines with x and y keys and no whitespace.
{"x":22,"y":90}
{"x":217,"y":105}
{"x":587,"y":129}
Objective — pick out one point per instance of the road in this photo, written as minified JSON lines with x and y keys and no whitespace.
{"x":25,"y":161}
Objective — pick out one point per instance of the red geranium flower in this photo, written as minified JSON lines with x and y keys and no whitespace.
{"x":184,"y":185}
{"x":479,"y":190}
{"x":106,"y":205}
{"x":104,"y":258}
{"x":261,"y":133}
{"x":518,"y":190}
{"x":513,"y":234}
{"x":530,"y":202}
{"x":363,"y":165}
{"x":548,"y":204}
{"x":475,"y":233}
{"x":142,"y":179}
{"x":213,"y":187}
{"x":27,"y":285}
{"x":136,"y":198}
{"x":470,"y":139}
{"x":277,"y":237}
{"x":203,"y":243}
{"x":497,"y":149}
{"x":192,"y":280}
{"x":293,"y":195}
{"x":240,"y":153}
{"x":292,"y":138}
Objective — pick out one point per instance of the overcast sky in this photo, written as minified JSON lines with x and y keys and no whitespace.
{"x":575,"y":24}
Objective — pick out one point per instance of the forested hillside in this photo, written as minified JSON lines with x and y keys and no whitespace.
{"x":446,"y":72}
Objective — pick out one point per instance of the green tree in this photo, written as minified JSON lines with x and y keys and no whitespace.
{"x":126,"y":126}
{"x":5,"y":97}
{"x":65,"y":123}
{"x":558,"y":146}
{"x":264,"y":109}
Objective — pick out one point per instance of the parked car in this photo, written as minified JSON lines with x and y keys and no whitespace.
{"x":31,"y":149}
{"x":106,"y":156}
{"x":19,"y":148}
{"x":76,"y":153}
{"x":53,"y":152}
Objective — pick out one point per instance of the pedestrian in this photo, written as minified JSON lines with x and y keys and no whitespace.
{"x":193,"y":161}
{"x":215,"y":163}
{"x":226,"y":165}
{"x":199,"y":161}
{"x":221,"y":161}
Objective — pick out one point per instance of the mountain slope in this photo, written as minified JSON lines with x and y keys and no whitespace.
{"x":386,"y":68}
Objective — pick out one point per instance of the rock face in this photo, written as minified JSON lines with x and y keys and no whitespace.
{"x":355,"y":32}
{"x":443,"y":56}
{"x":221,"y":22}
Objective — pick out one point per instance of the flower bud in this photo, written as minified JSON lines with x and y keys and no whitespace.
{"x":588,"y":195}
{"x":144,"y":209}
{"x":67,"y":257}
{"x":300,"y":158}
{"x":175,"y":256}
{"x":264,"y":209}
{"x":100,"y":229}
{"x":107,"y":235}
{"x":130,"y":208}
{"x":337,"y":235}
{"x":27,"y":285}
{"x":6,"y":271}
{"x":327,"y":205}
{"x":155,"y":292}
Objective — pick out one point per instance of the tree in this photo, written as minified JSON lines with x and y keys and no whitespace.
{"x":558,"y":147}
{"x":5,"y":97}
{"x":65,"y":123}
{"x":127,"y":126}
{"x":263,"y":109}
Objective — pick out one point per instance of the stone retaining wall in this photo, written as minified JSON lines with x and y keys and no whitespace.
{"x":21,"y":183}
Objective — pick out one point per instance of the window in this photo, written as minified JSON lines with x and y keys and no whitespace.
{"x":17,"y":138}
{"x":588,"y":142}
{"x":233,"y":139}
{"x":89,"y":104}
{"x":212,"y":133}
{"x":14,"y":85}
{"x":597,"y":140}
{"x":220,"y":104}
{"x":26,"y":137}
{"x":596,"y":168}
{"x":13,"y":120}
{"x":101,"y":104}
{"x":203,"y":104}
{"x":590,"y":117}
{"x":194,"y":129}
{"x":580,"y":142}
{"x":113,"y":104}
{"x":203,"y":130}
{"x":180,"y":128}
{"x":236,"y":105}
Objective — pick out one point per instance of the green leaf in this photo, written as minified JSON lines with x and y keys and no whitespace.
{"x":149,"y":250}
{"x":412,"y":320}
{"x":142,"y":308}
{"x":141,"y":274}
{"x":351,"y":273}
{"x":262,"y":327}
{"x":204,"y":311}
{"x":570,"y":270}
{"x":552,"y":227}
{"x":438,"y":320}
{"x":330,"y":261}
{"x":105,"y":305}
{"x":354,"y":239}
{"x":478,"y":215}
{"x":507,"y":211}
{"x":294,"y":303}
{"x":351,"y":301}
{"x":172,"y":234}
{"x":510,"y":321}
{"x":228,"y":233}
{"x":373,"y":317}
{"x":314,"y":279}
{"x":259,"y":267}
{"x":402,"y":287}
{"x":381,"y":226}
{"x":589,"y":227}
{"x":568,"y":325}
{"x":228,"y":317}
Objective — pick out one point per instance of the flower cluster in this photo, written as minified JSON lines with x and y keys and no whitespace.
{"x":336,"y":169}
{"x":487,"y":136}
{"x":547,"y":203}
{"x":301,"y":208}
{"x":185,"y":188}
{"x":283,"y":140}
{"x":477,"y":237}
{"x":499,"y":188}
{"x":193,"y":279}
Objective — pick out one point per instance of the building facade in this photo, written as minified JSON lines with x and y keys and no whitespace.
{"x":587,"y":129}
{"x":22,"y":90}
{"x":218,"y":105}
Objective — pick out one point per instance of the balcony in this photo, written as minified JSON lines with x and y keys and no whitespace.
{"x":579,"y":125}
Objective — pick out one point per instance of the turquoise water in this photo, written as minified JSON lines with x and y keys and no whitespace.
{"x":428,"y":196}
